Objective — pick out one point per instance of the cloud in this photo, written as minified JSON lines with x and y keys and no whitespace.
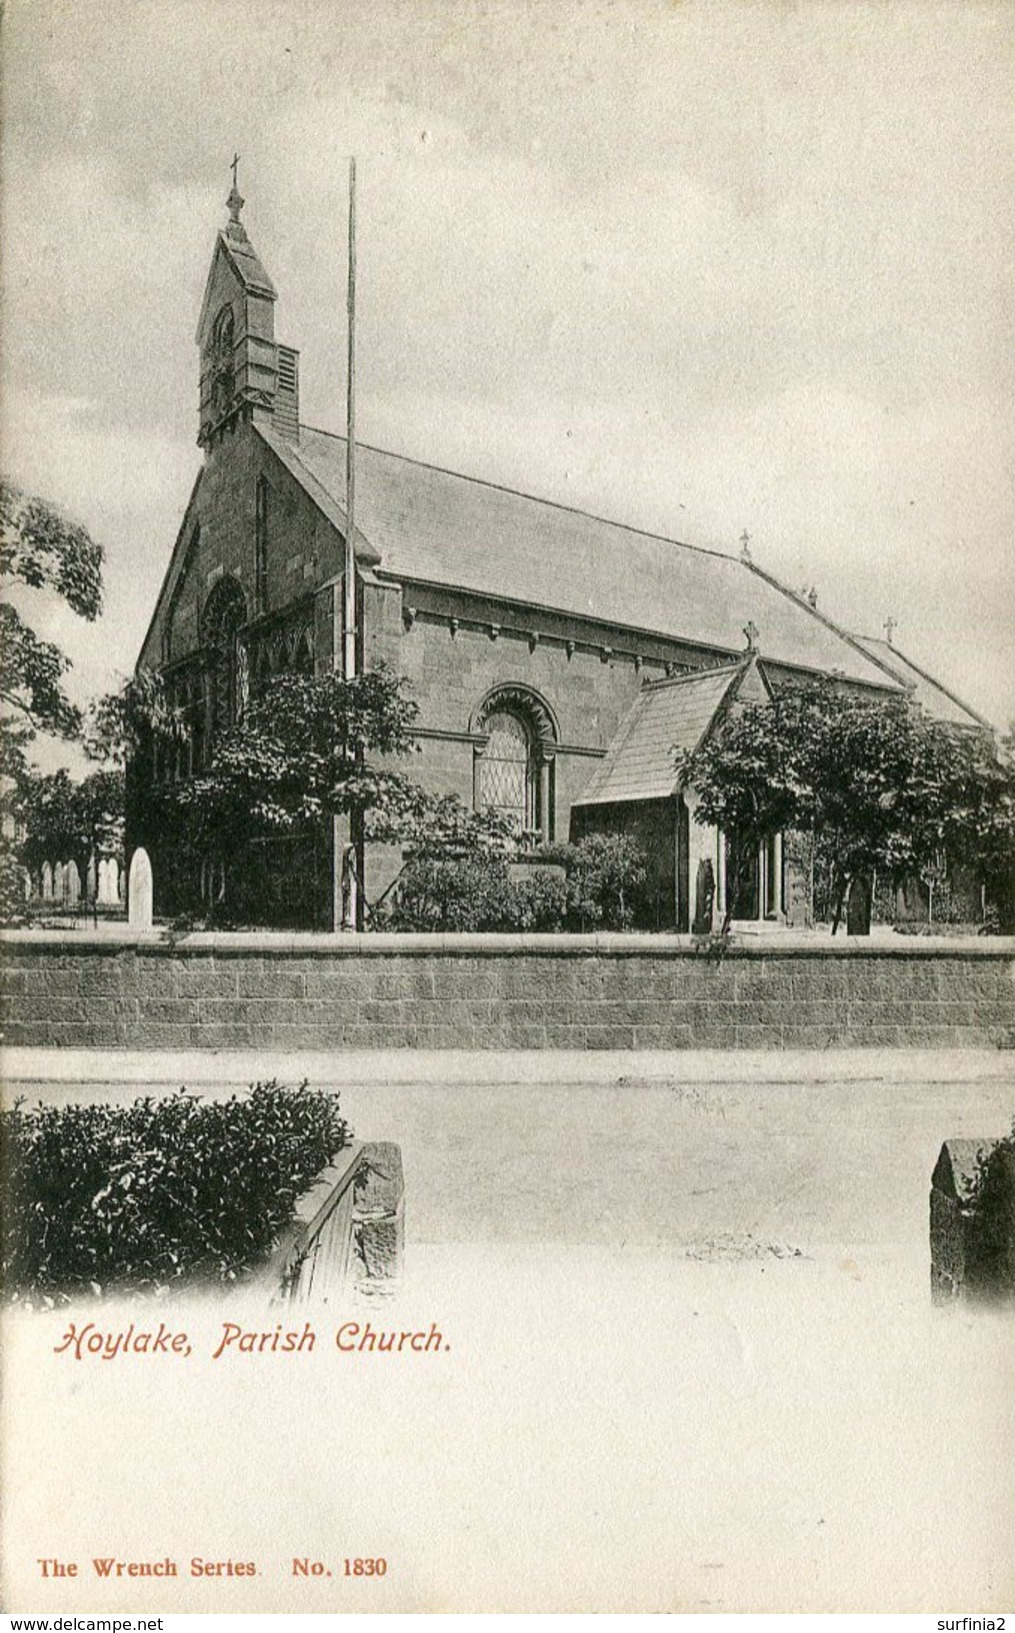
{"x":699,"y":267}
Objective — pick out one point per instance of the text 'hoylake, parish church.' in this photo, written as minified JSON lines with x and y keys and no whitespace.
{"x":558,"y":659}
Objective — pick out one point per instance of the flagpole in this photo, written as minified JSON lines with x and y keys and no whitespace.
{"x":350,"y":440}
{"x":351,"y":851}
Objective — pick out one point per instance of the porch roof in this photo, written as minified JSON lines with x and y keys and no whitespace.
{"x":668,"y":715}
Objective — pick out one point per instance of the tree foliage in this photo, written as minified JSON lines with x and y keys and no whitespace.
{"x":130,"y":720}
{"x":43,"y":550}
{"x":877,"y":782}
{"x":144,"y":1196}
{"x":308,"y":748}
{"x":439,"y":828}
{"x":72,"y":821}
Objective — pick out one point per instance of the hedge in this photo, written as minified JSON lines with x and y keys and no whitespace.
{"x":599,"y":888}
{"x":140,"y":1197}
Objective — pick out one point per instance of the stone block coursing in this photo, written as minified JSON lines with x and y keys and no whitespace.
{"x":73,"y":990}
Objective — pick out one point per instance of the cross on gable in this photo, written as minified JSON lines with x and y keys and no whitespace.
{"x":890,"y":625}
{"x":752,"y":632}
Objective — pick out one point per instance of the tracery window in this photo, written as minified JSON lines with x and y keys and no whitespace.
{"x":225,"y":614}
{"x":508,"y":775}
{"x":514,"y":765}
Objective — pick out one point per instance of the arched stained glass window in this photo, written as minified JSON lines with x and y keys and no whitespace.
{"x":507,"y":774}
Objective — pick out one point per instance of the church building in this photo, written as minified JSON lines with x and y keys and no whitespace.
{"x":557,"y":658}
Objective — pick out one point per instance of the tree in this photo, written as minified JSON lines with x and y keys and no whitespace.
{"x":979,"y":823}
{"x":307,"y":749}
{"x":128,"y":722}
{"x":748,"y":783}
{"x":43,"y":550}
{"x":72,"y":821}
{"x":877,"y":784}
{"x":439,"y":828}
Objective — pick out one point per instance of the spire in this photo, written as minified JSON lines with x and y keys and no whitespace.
{"x":235,"y":204}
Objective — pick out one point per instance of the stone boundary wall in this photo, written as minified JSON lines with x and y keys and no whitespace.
{"x":83,"y":990}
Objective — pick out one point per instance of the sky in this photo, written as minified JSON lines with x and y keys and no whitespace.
{"x":704,"y":268}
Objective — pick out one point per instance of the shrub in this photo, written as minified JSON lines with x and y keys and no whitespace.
{"x":991,"y":1266}
{"x":467,"y":894}
{"x":605,"y":877}
{"x":141,"y":1196}
{"x":537,"y":903}
{"x":13,"y":906}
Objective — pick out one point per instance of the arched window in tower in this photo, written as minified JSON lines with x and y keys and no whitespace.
{"x":514,"y":767}
{"x":223,"y":341}
{"x":225,"y":614}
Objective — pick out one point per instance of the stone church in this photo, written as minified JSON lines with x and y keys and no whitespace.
{"x":557,"y":658}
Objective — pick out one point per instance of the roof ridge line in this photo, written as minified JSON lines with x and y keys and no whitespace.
{"x":821,"y":617}
{"x":657,"y":682}
{"x":931,"y":681}
{"x":517,"y":493}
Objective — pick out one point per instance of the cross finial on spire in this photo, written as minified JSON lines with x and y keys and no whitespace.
{"x":234,"y":201}
{"x":751,"y":631}
{"x":890,"y":625}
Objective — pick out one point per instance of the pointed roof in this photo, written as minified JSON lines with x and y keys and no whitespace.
{"x":234,"y":246}
{"x":328,"y":503}
{"x":668,"y":716}
{"x":437,"y":527}
{"x":939,"y":702}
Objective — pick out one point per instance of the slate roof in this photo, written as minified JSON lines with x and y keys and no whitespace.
{"x":935,"y":698}
{"x":234,"y":244}
{"x":436,"y":527}
{"x":667,"y":715}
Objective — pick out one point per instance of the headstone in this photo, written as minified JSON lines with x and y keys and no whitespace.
{"x":109,"y":878}
{"x":47,"y":882}
{"x":704,"y":898}
{"x":71,"y":884}
{"x":139,"y":891}
{"x":858,"y":907}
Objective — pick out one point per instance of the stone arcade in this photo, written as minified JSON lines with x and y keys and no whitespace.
{"x":557,"y":658}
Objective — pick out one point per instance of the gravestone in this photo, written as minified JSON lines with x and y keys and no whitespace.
{"x":139,"y":891}
{"x":47,"y":882}
{"x":704,"y":898}
{"x":109,"y":880}
{"x":858,"y":907}
{"x":71,"y":884}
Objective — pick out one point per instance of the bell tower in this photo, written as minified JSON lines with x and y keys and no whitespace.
{"x":243,"y":368}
